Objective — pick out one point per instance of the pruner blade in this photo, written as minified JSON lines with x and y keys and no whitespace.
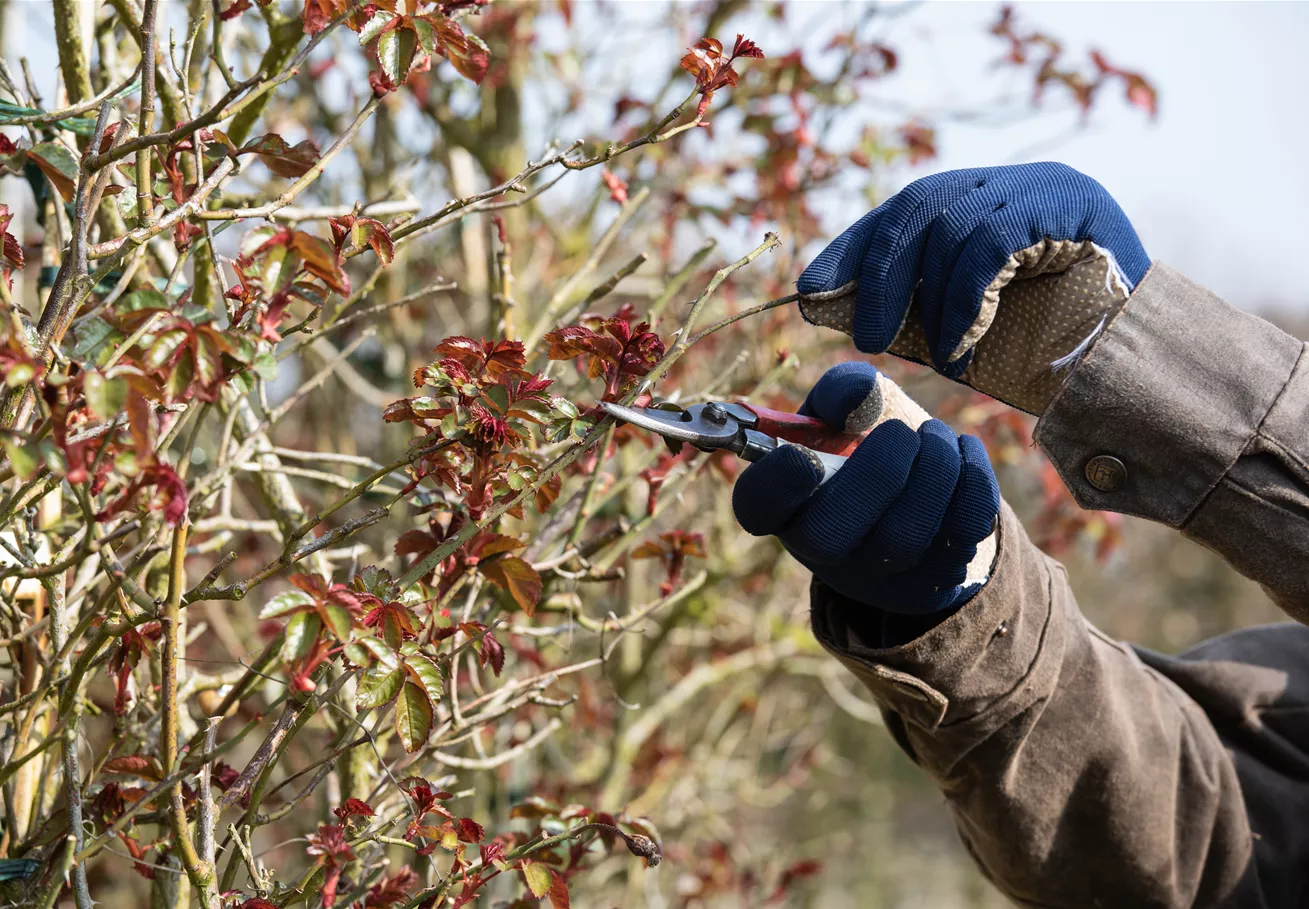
{"x":677,"y":425}
{"x":745,"y":430}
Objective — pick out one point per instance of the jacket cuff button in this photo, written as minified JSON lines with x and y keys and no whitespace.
{"x":1106,"y":473}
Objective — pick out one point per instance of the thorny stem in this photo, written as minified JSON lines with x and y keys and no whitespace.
{"x":655,"y":135}
{"x":681,"y":278}
{"x":144,"y":186}
{"x":72,"y":770}
{"x":200,"y":872}
{"x":360,"y":488}
{"x":744,"y":314}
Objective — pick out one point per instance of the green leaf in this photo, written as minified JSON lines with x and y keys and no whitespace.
{"x":531,"y":409}
{"x":558,"y":430}
{"x":498,"y":397}
{"x":286,"y":603}
{"x":579,"y":428}
{"x":301,"y":632}
{"x":126,"y":464}
{"x":197,"y":315}
{"x":265,"y":366}
{"x":106,"y":397}
{"x":565,"y":407}
{"x":20,"y":374}
{"x":337,"y":619}
{"x":142,"y":299}
{"x":373,"y":27}
{"x":424,"y":672}
{"x":162,"y":350}
{"x":395,"y":53}
{"x":53,"y":456}
{"x":378,"y":685}
{"x":537,"y":876}
{"x":413,"y":716}
{"x":179,"y":380}
{"x":24,"y":459}
{"x":91,"y":340}
{"x":208,"y":359}
{"x":126,"y":203}
{"x":57,"y":163}
{"x":377,"y":581}
{"x":380,"y":651}
{"x":426,"y":36}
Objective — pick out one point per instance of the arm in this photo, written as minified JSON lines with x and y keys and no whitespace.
{"x":1076,"y":775}
{"x":1224,"y":396}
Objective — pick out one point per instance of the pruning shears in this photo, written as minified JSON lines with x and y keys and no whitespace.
{"x":746,"y":430}
{"x":751,"y":432}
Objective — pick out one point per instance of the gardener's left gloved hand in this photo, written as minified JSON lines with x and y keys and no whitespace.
{"x":898,"y":527}
{"x":1000,"y":277}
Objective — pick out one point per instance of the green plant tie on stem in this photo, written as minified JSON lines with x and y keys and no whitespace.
{"x":82,"y":126}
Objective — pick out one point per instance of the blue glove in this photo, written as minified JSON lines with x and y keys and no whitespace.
{"x":1011,"y":271}
{"x":898,"y":526}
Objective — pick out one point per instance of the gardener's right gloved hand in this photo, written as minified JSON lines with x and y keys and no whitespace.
{"x":899,"y":526}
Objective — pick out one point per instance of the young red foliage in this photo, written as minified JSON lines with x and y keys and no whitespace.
{"x":282,"y":159}
{"x":12,"y":253}
{"x":673,"y":548}
{"x":332,"y":850}
{"x":134,"y":643}
{"x":353,"y":808}
{"x":616,"y":185}
{"x":318,"y":14}
{"x":169,"y":494}
{"x":236,"y":8}
{"x":392,"y":889}
{"x":1046,"y":52}
{"x":352,"y":231}
{"x":614,"y":349}
{"x":713,"y":70}
{"x":185,"y":358}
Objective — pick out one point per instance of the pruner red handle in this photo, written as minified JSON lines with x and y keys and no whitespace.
{"x":807,"y":431}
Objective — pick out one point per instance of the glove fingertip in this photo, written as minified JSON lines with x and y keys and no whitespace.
{"x":841,"y":391}
{"x":770,"y":492}
{"x":977,"y":496}
{"x":839,"y":262}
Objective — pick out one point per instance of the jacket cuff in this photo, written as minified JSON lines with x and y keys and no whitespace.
{"x":963,"y":666}
{"x":1178,"y":371}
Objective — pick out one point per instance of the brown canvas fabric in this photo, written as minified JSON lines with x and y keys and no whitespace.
{"x":1081,"y":771}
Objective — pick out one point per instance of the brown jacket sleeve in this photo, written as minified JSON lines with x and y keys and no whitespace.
{"x":1077,"y":776}
{"x":1079,"y":771}
{"x":1207,"y":410}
